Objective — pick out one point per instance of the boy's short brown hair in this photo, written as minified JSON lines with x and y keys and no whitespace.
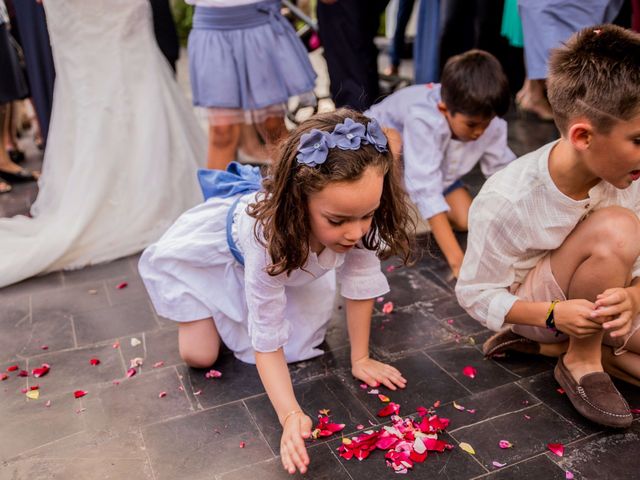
{"x":596,"y":74}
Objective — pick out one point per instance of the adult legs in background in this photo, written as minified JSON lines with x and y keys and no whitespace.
{"x":347,"y":30}
{"x":405,"y":8}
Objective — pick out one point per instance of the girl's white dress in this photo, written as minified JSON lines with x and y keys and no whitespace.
{"x":190,"y":274}
{"x":123,"y":147}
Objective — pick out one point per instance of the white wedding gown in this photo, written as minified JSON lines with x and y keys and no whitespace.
{"x":123,"y":147}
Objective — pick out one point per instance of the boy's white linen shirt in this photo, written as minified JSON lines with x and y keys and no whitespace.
{"x":432,"y":159}
{"x":517,"y":218}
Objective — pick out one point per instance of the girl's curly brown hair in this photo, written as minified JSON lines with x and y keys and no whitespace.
{"x":282,"y":213}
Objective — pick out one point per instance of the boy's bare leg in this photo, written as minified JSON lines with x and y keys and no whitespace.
{"x":626,"y":366}
{"x":199,"y":342}
{"x":459,"y":202}
{"x":608,"y":237}
{"x":223,"y":145}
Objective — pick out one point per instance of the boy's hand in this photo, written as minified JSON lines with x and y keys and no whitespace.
{"x":574,"y":317}
{"x":293,"y":452}
{"x":374,"y":373}
{"x":616,"y":308}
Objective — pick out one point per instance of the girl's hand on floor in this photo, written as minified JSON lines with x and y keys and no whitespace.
{"x":620,"y":306}
{"x":293,"y":452}
{"x":374,"y":373}
{"x":574,"y":318}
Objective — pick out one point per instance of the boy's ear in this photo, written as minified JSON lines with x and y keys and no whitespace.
{"x":442,"y":107}
{"x":580,"y":135}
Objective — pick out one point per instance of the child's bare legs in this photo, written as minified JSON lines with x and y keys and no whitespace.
{"x":199,"y":342}
{"x":272,"y":130}
{"x":459,"y":202}
{"x":608,"y":237}
{"x":250,"y":143}
{"x":223,"y":145}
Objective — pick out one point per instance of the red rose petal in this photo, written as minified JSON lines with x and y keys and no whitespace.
{"x":42,"y":371}
{"x":390,"y":409}
{"x":23,"y":373}
{"x":162,"y":394}
{"x":44,"y":347}
{"x":633,"y":410}
{"x":469,"y":371}
{"x":34,"y":387}
{"x":23,"y":390}
{"x":131,"y":372}
{"x":80,"y":393}
{"x":387,"y":308}
{"x":122,"y":285}
{"x":94,"y":361}
{"x":560,"y":390}
{"x":12,"y":368}
{"x":556,"y":448}
{"x":3,"y":376}
{"x":242,"y":444}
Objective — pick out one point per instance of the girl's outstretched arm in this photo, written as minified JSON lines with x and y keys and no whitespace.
{"x":296,"y":426}
{"x":364,"y":368}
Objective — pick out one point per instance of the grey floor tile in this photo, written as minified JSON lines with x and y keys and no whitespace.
{"x":205,"y":444}
{"x":409,"y":287}
{"x":136,"y":401}
{"x":426,"y":384}
{"x":155,"y":346}
{"x":323,"y":466}
{"x":69,"y":300}
{"x":133,"y":292}
{"x":39,"y":284}
{"x":113,"y":322}
{"x":103,"y":271}
{"x":77,"y":468}
{"x":537,"y":468}
{"x":529,"y":437}
{"x":71,"y":370}
{"x":607,"y":455}
{"x":489,"y":375}
{"x":313,"y":396}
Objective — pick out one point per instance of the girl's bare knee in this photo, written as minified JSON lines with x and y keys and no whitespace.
{"x":224,"y":136}
{"x":199,"y":359}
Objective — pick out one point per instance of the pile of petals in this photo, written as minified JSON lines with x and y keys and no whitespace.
{"x":325,"y":428}
{"x":406,"y":442}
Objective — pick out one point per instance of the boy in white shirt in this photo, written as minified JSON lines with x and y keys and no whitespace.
{"x":554,"y":238}
{"x":445,"y":129}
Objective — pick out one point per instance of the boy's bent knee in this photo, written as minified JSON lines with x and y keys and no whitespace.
{"x":617,"y":232}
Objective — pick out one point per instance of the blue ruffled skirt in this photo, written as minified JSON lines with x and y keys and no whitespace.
{"x":247,"y":57}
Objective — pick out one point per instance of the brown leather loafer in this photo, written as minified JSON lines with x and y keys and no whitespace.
{"x":507,"y":341}
{"x":595,"y":397}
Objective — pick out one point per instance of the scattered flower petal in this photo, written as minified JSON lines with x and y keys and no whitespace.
{"x":162,"y":394}
{"x":387,"y":308}
{"x":12,"y":368}
{"x":324,"y":411}
{"x":458,"y":407}
{"x":131,"y":372}
{"x":181,"y":388}
{"x":79,"y":393}
{"x":383,"y":398}
{"x":450,"y":321}
{"x":469,"y":371}
{"x":24,"y":390}
{"x":3,"y":376}
{"x":116,"y":344}
{"x":373,"y":391}
{"x":360,"y":427}
{"x":122,"y":285}
{"x":389,"y":409}
{"x":380,"y":299}
{"x":136,"y":362}
{"x":197,"y":392}
{"x":116,"y":382}
{"x":527,"y":417}
{"x":33,"y":394}
{"x":568,"y":475}
{"x":44,"y":347}
{"x":436,"y":404}
{"x":422,"y":411}
{"x":213,"y":374}
{"x":158,"y":364}
{"x":505,"y":444}
{"x":48,"y":404}
{"x":635,"y":410}
{"x":34,"y":387}
{"x":467,"y":448}
{"x":560,"y":390}
{"x":471,"y":410}
{"x":94,"y":361}
{"x":498,"y":464}
{"x":23,"y":373}
{"x":364,"y":386}
{"x":242,"y":444}
{"x":135,"y":342}
{"x":471,"y":341}
{"x":556,"y":448}
{"x":80,"y":410}
{"x":391,"y":268}
{"x":92,"y":291}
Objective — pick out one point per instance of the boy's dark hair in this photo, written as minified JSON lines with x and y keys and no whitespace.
{"x":596,"y":74}
{"x":282,"y":213}
{"x":473,"y":83}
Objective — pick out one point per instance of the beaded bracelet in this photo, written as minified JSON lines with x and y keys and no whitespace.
{"x":550,"y":321}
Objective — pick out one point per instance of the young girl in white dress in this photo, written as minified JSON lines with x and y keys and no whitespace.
{"x":256,"y":269}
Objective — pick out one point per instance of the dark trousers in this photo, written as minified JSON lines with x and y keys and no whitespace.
{"x":405,"y":8}
{"x":347,"y":29}
{"x":165,"y":30}
{"x":38,"y":59}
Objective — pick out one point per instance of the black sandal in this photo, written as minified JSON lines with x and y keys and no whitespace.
{"x":23,"y":175}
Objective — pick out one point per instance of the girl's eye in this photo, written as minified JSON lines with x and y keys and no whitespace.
{"x":335,"y":222}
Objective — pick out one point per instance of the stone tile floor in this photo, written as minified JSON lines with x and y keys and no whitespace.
{"x":122,"y":429}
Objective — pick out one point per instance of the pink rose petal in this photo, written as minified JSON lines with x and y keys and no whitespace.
{"x":3,"y":376}
{"x":197,"y":392}
{"x":364,"y":386}
{"x":48,"y":403}
{"x":122,"y":285}
{"x":387,"y":308}
{"x":380,"y":299}
{"x":391,"y":268}
{"x":44,"y":347}
{"x":556,"y":448}
{"x":162,"y":394}
{"x":450,"y":321}
{"x":568,"y":475}
{"x":213,"y":374}
{"x":389,"y":409}
{"x":360,"y":427}
{"x":242,"y":444}
{"x":527,"y":417}
{"x":505,"y":444}
{"x":436,"y":404}
{"x":469,"y":371}
{"x":560,"y":390}
{"x":635,"y":410}
{"x":158,"y":364}
{"x":498,"y":464}
{"x":471,"y":410}
{"x":131,"y":372}
{"x":80,"y":393}
{"x":116,"y":344}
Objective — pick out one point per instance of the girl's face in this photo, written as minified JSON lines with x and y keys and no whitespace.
{"x":341,"y":213}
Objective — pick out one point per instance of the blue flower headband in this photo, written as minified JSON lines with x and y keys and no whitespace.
{"x":314,"y":146}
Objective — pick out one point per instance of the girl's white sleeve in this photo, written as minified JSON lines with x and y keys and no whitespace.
{"x":266,"y":300}
{"x":360,"y":276}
